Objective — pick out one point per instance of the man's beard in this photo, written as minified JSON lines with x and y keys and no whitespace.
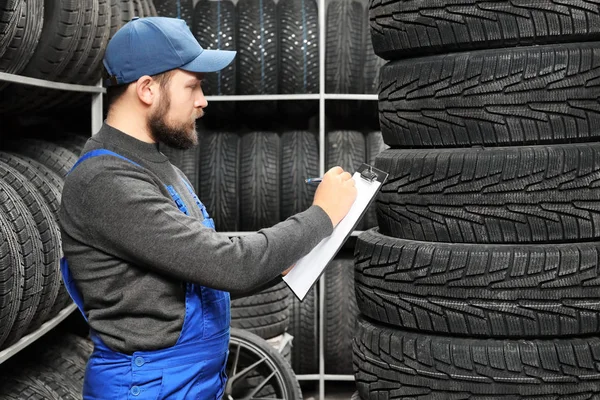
{"x":182,"y":136}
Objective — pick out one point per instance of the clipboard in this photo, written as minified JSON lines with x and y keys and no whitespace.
{"x":309,"y":268}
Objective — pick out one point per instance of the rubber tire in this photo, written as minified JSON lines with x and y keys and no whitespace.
{"x":304,"y":328}
{"x":219,"y":179}
{"x":375,"y":145}
{"x":347,"y":150}
{"x":49,"y":234}
{"x":292,"y":384}
{"x":394,"y":364}
{"x":19,"y":387}
{"x":57,"y":158}
{"x":10,"y":13}
{"x":299,"y":160}
{"x":344,"y":54}
{"x":493,"y":290}
{"x":538,"y":194}
{"x":259,"y":180}
{"x":425,"y":27}
{"x":30,"y":246}
{"x":265,"y":314}
{"x":258,"y":54}
{"x":340,"y":316}
{"x":299,"y":64}
{"x":170,"y":8}
{"x":12,"y":278}
{"x":115,"y":18}
{"x":515,"y":96}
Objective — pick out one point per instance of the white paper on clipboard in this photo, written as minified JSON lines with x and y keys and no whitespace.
{"x":310,"y":267}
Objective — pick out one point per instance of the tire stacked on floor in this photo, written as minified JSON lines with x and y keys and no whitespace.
{"x":481,"y":281}
{"x":31,"y":289}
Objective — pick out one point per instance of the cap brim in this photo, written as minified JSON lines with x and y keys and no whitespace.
{"x":210,"y":61}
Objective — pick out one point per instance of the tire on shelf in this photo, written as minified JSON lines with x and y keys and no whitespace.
{"x":214,"y":27}
{"x":299,"y":64}
{"x":424,"y":27}
{"x":259,"y":180}
{"x":397,"y":364}
{"x":344,"y":54}
{"x":49,"y":234}
{"x":219,"y":179}
{"x":182,"y":9}
{"x":347,"y":150}
{"x":258,"y":54}
{"x":30,"y":246}
{"x":57,"y":158}
{"x":492,"y":290}
{"x":502,"y":97}
{"x":10,"y":13}
{"x":340,"y":316}
{"x":12,"y":278}
{"x":304,"y":329}
{"x":537,"y":194}
{"x":20,"y":387}
{"x":265,"y":314}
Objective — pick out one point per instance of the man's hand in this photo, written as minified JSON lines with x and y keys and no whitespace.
{"x":336,"y":194}
{"x":284,"y":273}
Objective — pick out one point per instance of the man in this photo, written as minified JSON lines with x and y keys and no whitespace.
{"x":142,"y":259}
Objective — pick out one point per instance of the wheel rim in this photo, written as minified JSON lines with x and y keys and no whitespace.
{"x":246,"y":358}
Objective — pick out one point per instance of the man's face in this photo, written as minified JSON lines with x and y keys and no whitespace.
{"x":172,"y":120}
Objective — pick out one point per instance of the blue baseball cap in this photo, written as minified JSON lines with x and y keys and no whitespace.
{"x":153,"y":45}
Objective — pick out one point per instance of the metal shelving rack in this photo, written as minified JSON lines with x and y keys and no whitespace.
{"x":322,"y":97}
{"x":96,"y":118}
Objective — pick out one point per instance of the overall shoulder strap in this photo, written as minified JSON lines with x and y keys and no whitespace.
{"x":101,"y":152}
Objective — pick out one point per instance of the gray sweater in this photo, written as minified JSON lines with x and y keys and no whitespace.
{"x":130,"y":249}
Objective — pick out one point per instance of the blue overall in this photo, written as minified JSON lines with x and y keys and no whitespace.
{"x":194,"y":368}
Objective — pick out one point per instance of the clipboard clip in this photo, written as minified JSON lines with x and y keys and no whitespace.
{"x":371,"y":174}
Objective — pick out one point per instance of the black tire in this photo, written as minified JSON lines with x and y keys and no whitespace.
{"x":299,"y":63}
{"x":30,"y":246}
{"x":258,"y":54}
{"x":61,"y":385}
{"x":269,"y":356}
{"x":57,"y":158}
{"x":394,"y":364}
{"x":23,"y":43}
{"x":73,"y":142}
{"x":138,"y":9}
{"x":418,"y":27}
{"x":265,"y":314}
{"x":515,"y":96}
{"x":375,"y":145}
{"x":115,"y":18}
{"x":153,"y":11}
{"x":10,"y":13}
{"x":215,"y":29}
{"x":347,"y":150}
{"x":538,"y":194}
{"x":259,"y":180}
{"x":495,"y":290}
{"x":49,"y":234}
{"x":341,"y":312}
{"x":126,"y":11}
{"x":304,"y":328}
{"x":373,"y":64}
{"x":344,"y":54}
{"x":355,"y":396}
{"x":219,"y":179}
{"x":299,"y":160}
{"x":12,"y":278}
{"x":91,"y":71}
{"x":19,"y":387}
{"x":182,"y":9}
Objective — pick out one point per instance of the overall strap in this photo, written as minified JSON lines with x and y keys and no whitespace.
{"x":100,"y":152}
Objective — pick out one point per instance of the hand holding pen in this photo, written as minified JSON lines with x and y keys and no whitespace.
{"x":336,"y":193}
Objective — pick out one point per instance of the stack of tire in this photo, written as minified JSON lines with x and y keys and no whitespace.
{"x":53,"y":368}
{"x":57,"y":40}
{"x":482,"y":279}
{"x":31,"y":180}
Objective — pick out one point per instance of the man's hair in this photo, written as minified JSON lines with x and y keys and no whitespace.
{"x":114,"y":93}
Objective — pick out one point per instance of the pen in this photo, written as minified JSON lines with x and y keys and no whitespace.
{"x":313,"y":180}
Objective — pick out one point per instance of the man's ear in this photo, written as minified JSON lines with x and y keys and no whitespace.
{"x":146,"y":89}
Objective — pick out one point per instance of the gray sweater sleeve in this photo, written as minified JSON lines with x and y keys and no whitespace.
{"x":136,"y":222}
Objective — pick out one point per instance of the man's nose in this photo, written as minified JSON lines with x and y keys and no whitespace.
{"x":201,"y":101}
